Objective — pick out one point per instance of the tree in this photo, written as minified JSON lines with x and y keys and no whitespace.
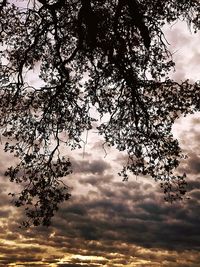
{"x":111,"y":55}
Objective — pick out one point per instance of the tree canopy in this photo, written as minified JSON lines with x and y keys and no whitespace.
{"x":110,"y":55}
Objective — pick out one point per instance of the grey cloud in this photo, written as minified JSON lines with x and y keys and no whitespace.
{"x":88,"y":167}
{"x":85,"y":155}
{"x":145,"y":223}
{"x":123,"y":212}
{"x":96,"y":180}
{"x":193,"y":164}
{"x":194,"y":183}
{"x":5,"y":213}
{"x":195,"y":194}
{"x":132,"y":213}
{"x":23,"y":256}
{"x":12,"y":250}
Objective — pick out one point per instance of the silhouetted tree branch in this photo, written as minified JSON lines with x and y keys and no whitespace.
{"x":120,"y":47}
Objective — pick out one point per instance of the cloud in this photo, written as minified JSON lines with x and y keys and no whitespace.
{"x":110,"y":222}
{"x":193,"y":164}
{"x":145,"y":221}
{"x":125,"y":223}
{"x":13,"y":254}
{"x":90,"y":167}
{"x":183,"y":45}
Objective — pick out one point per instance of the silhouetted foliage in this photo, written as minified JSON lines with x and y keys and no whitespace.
{"x":107,"y":54}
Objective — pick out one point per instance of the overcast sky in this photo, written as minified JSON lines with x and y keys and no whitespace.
{"x":108,"y":222}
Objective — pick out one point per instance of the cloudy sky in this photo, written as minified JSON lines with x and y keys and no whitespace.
{"x":108,"y":222}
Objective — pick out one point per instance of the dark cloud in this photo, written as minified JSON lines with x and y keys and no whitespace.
{"x":12,"y":254}
{"x":4,"y":213}
{"x":193,"y":164}
{"x":96,"y":180}
{"x":90,"y":167}
{"x":128,"y":219}
{"x":109,"y":222}
{"x":116,"y":217}
{"x":124,"y":212}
